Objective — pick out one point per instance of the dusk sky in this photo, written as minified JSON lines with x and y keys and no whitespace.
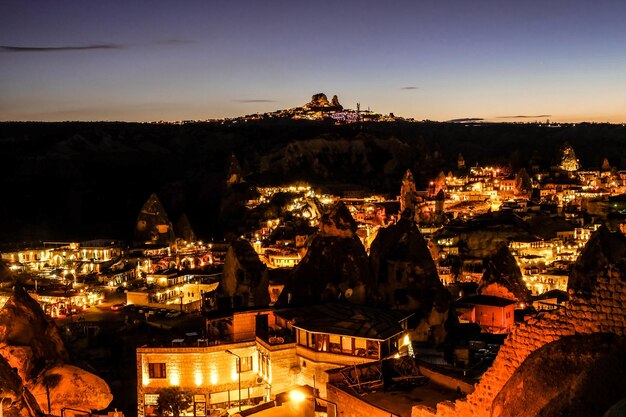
{"x":140,"y":60}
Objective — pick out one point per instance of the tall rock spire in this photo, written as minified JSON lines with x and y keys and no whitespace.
{"x":153,"y":225}
{"x":408,"y":193}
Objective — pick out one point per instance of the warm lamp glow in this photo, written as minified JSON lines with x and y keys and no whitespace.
{"x":297,"y":396}
{"x":174,"y":378}
{"x":198,"y":378}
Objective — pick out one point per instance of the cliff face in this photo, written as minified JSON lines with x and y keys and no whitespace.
{"x":361,"y":159}
{"x":335,"y":266}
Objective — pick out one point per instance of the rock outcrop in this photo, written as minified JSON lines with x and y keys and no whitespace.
{"x":70,"y":385}
{"x":335,"y":266}
{"x":569,"y":162}
{"x":30,"y":342}
{"x":16,"y":401}
{"x":338,"y":222}
{"x":481,"y":236}
{"x":408,"y":193}
{"x":594,"y":367}
{"x":31,"y":349}
{"x":184,"y":230}
{"x":319,"y":101}
{"x":503,"y":278}
{"x":603,"y":249}
{"x":243,"y":276}
{"x":407,"y":278}
{"x":153,"y":225}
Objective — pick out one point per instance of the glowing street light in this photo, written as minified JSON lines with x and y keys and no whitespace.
{"x":299,"y":396}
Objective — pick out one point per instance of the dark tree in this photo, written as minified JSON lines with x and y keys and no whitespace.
{"x":172,"y":401}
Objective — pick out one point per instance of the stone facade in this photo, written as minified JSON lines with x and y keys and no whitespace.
{"x":603,"y":311}
{"x":203,"y":371}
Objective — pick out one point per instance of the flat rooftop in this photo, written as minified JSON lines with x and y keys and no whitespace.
{"x":400,"y":400}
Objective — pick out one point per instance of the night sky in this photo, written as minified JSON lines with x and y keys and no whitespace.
{"x":563,"y":60}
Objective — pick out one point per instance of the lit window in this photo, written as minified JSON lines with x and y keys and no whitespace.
{"x":156,"y":370}
{"x":246,"y":363}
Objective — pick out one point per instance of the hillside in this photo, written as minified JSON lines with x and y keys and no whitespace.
{"x":84,"y":180}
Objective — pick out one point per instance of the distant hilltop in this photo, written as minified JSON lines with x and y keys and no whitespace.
{"x":319,"y":108}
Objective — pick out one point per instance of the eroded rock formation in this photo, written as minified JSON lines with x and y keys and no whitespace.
{"x":586,"y":362}
{"x":70,"y":385}
{"x":243,"y":274}
{"x":407,"y":278}
{"x":335,"y":266}
{"x":32,"y":348}
{"x":153,"y":225}
{"x":29,"y":342}
{"x":503,"y":278}
{"x":604,"y":248}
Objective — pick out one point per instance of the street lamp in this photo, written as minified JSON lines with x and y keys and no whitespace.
{"x":238,"y":373}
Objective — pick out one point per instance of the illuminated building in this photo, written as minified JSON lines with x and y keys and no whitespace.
{"x":277,"y":349}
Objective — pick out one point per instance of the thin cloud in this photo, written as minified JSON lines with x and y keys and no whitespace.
{"x":467,"y":119}
{"x":409,"y":88}
{"x":255,"y":100}
{"x":523,"y":116}
{"x":173,"y":42}
{"x":67,"y":48}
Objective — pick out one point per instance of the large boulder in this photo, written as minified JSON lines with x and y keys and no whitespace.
{"x":576,"y":376}
{"x":70,"y":386}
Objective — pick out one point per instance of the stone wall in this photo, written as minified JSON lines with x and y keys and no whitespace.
{"x":284,"y":372}
{"x":603,"y":311}
{"x":445,"y":380}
